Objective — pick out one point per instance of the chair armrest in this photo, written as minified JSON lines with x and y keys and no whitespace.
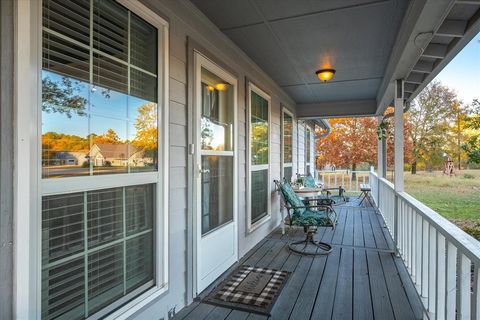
{"x":308,"y":206}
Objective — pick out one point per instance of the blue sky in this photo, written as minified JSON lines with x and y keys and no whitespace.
{"x":463,"y":73}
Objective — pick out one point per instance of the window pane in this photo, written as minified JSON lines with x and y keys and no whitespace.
{"x":217,"y":113}
{"x":259,"y":129}
{"x":139,"y":208}
{"x":118,"y":260}
{"x":287,"y":138}
{"x":76,"y":140}
{"x":109,"y":73}
{"x":65,"y":142}
{"x":105,"y":277}
{"x":70,"y":18}
{"x":139,"y":261}
{"x":110,"y":28}
{"x":143,"y":44}
{"x":259,"y":193}
{"x":109,"y":151}
{"x":217,"y":191}
{"x":287,"y":173}
{"x":62,"y":226}
{"x":63,"y":291}
{"x":65,"y":58}
{"x":307,"y":146}
{"x":105,"y":217}
{"x":143,"y":86}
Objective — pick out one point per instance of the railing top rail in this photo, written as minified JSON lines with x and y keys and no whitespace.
{"x":387,"y":183}
{"x":463,"y":241}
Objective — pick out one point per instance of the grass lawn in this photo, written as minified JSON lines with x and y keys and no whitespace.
{"x":456,"y":198}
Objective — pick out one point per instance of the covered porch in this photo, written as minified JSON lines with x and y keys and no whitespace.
{"x":361,"y":279}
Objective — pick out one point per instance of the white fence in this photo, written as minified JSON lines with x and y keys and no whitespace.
{"x":442,"y":260}
{"x":349,"y":180}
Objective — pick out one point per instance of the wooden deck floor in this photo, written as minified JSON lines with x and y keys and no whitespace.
{"x":360,"y":279}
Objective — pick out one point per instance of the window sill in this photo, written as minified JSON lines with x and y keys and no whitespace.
{"x":259,"y":223}
{"x":138,"y":303}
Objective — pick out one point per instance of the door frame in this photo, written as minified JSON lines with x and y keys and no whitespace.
{"x":200,"y":60}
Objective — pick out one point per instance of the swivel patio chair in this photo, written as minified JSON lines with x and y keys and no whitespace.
{"x":337,"y":199}
{"x":309,"y":182}
{"x":310,"y":217}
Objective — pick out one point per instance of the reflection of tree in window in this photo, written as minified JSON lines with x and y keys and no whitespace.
{"x":63,"y":97}
{"x":146,"y":130}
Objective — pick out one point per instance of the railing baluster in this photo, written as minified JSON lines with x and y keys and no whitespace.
{"x":418,"y":251}
{"x":432,"y":269}
{"x":425,"y":238}
{"x":464,"y":285}
{"x":476,"y":293}
{"x":440,"y":292}
{"x":451,"y":286}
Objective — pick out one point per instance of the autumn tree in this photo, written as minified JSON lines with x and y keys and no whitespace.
{"x":351,"y":142}
{"x":429,"y":116}
{"x":146,"y":135}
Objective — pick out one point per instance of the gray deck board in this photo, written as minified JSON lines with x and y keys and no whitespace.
{"x":360,"y":279}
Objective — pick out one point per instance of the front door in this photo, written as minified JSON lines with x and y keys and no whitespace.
{"x":215,"y":171}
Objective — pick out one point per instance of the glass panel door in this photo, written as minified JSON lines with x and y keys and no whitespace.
{"x":215,"y":181}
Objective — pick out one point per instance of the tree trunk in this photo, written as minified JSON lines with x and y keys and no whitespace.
{"x":354,"y":174}
{"x":414,"y":167}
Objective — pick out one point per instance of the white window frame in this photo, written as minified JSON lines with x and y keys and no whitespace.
{"x":29,"y":187}
{"x":283,"y":163}
{"x":253,"y":226}
{"x":308,"y":133}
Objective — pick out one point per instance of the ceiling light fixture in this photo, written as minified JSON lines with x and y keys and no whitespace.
{"x":221,"y":86}
{"x":325,"y":74}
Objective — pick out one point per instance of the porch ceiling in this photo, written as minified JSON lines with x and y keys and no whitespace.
{"x":370,"y":43}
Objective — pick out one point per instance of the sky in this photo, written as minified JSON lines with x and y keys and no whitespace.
{"x":463,"y":73}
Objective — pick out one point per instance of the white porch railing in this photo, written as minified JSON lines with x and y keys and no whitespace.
{"x":442,"y":260}
{"x":343,"y":178}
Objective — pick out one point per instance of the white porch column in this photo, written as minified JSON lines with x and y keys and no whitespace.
{"x":398,"y":156}
{"x":380,"y":152}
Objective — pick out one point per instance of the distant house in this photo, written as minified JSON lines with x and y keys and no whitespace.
{"x":104,"y":154}
{"x":69,"y":158}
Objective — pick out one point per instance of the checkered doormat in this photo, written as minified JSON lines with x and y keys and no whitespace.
{"x":250,"y":289}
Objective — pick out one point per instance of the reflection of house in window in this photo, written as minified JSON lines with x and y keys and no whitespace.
{"x":103,"y":154}
{"x":69,"y":158}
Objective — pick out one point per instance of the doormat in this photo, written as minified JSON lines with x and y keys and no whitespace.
{"x":249,"y":289}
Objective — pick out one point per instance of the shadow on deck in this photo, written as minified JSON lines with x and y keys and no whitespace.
{"x":360,"y":279}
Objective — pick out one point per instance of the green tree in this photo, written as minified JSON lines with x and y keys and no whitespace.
{"x":429,"y":116}
{"x":472,"y":145}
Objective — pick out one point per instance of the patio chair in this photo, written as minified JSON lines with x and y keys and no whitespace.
{"x":309,"y":182}
{"x":308,"y":216}
{"x":337,"y":199}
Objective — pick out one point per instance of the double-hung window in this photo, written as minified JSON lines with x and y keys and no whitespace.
{"x":102,"y":191}
{"x":259,"y":151}
{"x":287,"y":140}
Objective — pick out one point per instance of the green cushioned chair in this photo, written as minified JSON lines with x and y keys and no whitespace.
{"x":338,"y":198}
{"x":308,"y":216}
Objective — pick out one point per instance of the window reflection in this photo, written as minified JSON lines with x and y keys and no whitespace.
{"x":90,"y":130}
{"x":217,"y":115}
{"x":259,"y":129}
{"x":287,"y":138}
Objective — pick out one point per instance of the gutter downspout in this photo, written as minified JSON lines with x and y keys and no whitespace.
{"x":324,"y":123}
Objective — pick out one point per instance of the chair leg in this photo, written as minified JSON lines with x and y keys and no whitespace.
{"x":321,"y":248}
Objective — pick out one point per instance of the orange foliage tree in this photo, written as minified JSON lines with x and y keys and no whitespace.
{"x":353,"y":141}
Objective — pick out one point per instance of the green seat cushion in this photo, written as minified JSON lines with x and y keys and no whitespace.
{"x":337,"y":199}
{"x":292,"y":198}
{"x":314,"y":218}
{"x":309,"y":182}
